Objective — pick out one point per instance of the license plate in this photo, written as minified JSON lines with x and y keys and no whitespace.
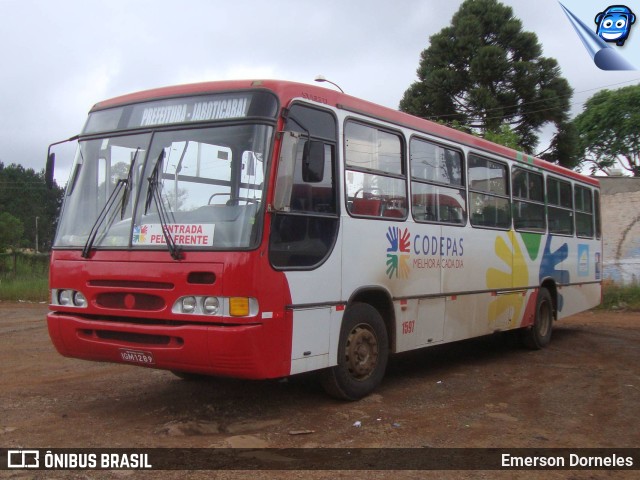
{"x":137,"y":356}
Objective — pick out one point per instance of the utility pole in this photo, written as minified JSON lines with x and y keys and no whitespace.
{"x":37,"y":234}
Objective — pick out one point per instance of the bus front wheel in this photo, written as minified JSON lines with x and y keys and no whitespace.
{"x":363,"y":350}
{"x":538,"y":335}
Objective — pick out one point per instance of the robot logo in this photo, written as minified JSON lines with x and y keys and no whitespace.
{"x":614,"y":24}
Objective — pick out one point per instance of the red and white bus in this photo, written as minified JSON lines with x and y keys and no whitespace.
{"x":261,"y":229}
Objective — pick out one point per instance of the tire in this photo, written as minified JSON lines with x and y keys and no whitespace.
{"x":538,"y":335}
{"x":363,"y":351}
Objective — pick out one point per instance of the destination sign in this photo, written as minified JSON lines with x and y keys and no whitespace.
{"x":190,"y":110}
{"x":222,"y":109}
{"x":201,"y":108}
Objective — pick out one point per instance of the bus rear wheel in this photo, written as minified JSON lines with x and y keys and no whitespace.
{"x":538,"y":335}
{"x":363,"y":351}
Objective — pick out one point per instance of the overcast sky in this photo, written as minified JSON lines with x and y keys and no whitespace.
{"x":61,"y":57}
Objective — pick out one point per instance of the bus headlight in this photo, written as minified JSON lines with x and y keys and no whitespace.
{"x":79,"y":300}
{"x":64,"y":297}
{"x":69,"y":298}
{"x":188,"y":305}
{"x":210,"y":305}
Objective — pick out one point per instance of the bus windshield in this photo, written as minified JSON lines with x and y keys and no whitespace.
{"x":202,"y":188}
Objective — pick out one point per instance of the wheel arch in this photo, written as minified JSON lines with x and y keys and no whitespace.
{"x":550,"y":285}
{"x":380,"y":299}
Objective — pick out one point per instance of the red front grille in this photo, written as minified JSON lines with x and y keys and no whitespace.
{"x":130,"y":301}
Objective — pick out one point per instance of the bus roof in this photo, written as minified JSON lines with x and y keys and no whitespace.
{"x":287,"y":91}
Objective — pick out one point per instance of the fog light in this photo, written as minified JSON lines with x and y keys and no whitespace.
{"x":64,"y":297}
{"x":239,"y":307}
{"x":79,"y":300}
{"x":188,"y":304}
{"x":210,"y":305}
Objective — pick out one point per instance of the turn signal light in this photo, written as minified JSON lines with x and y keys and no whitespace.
{"x":239,"y":306}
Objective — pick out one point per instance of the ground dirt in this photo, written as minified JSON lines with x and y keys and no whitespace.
{"x":581,"y":391}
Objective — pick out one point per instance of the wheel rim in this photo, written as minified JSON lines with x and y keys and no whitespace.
{"x":544,"y":316}
{"x":361,"y":352}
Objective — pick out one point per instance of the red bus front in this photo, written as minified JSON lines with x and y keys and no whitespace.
{"x":160,"y":256}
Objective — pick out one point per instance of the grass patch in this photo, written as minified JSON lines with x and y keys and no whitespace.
{"x":34,"y":289}
{"x":620,"y":297}
{"x":24,"y":276}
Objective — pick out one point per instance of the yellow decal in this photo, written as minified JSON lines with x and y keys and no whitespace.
{"x":507,"y":308}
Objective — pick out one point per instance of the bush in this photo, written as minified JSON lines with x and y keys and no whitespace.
{"x":620,"y":297}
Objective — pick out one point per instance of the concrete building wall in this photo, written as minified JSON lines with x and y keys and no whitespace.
{"x":620,"y":203}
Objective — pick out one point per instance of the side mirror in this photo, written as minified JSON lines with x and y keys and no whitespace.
{"x":313,"y":162}
{"x":48,"y":172}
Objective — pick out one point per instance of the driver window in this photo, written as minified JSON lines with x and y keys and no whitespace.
{"x":375,"y":177}
{"x":303,"y":236}
{"x":316,"y":197}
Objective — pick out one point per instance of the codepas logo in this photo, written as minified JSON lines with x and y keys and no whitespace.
{"x":428,"y":252}
{"x":398,"y":253}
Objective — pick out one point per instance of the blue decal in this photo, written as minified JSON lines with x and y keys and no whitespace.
{"x":604,"y":56}
{"x":549,"y":263}
{"x":614,"y":24}
{"x":583,"y":260}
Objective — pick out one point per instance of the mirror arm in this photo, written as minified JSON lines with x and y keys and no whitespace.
{"x":51,"y":161}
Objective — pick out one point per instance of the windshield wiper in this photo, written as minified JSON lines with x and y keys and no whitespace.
{"x":153,"y":193}
{"x":111,"y":201}
{"x":127,"y":189}
{"x":122,"y":184}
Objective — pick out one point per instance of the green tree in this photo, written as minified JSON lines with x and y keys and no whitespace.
{"x":483,"y":72}
{"x":609,"y":129}
{"x":24,"y":195}
{"x":505,"y":136}
{"x":565,"y":146}
{"x":11,"y":230}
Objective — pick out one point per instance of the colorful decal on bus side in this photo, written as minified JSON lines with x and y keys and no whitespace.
{"x":427,"y":252}
{"x":516,"y":274}
{"x":398,"y":253}
{"x":500,"y":278}
{"x":549,"y":266}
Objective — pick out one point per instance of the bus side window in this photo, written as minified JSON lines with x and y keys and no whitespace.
{"x":375,"y":177}
{"x":559,"y":206}
{"x":584,"y":212}
{"x":488,"y":193}
{"x":528,"y":201}
{"x":437,"y":185}
{"x":596,"y":204}
{"x":304,"y":235}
